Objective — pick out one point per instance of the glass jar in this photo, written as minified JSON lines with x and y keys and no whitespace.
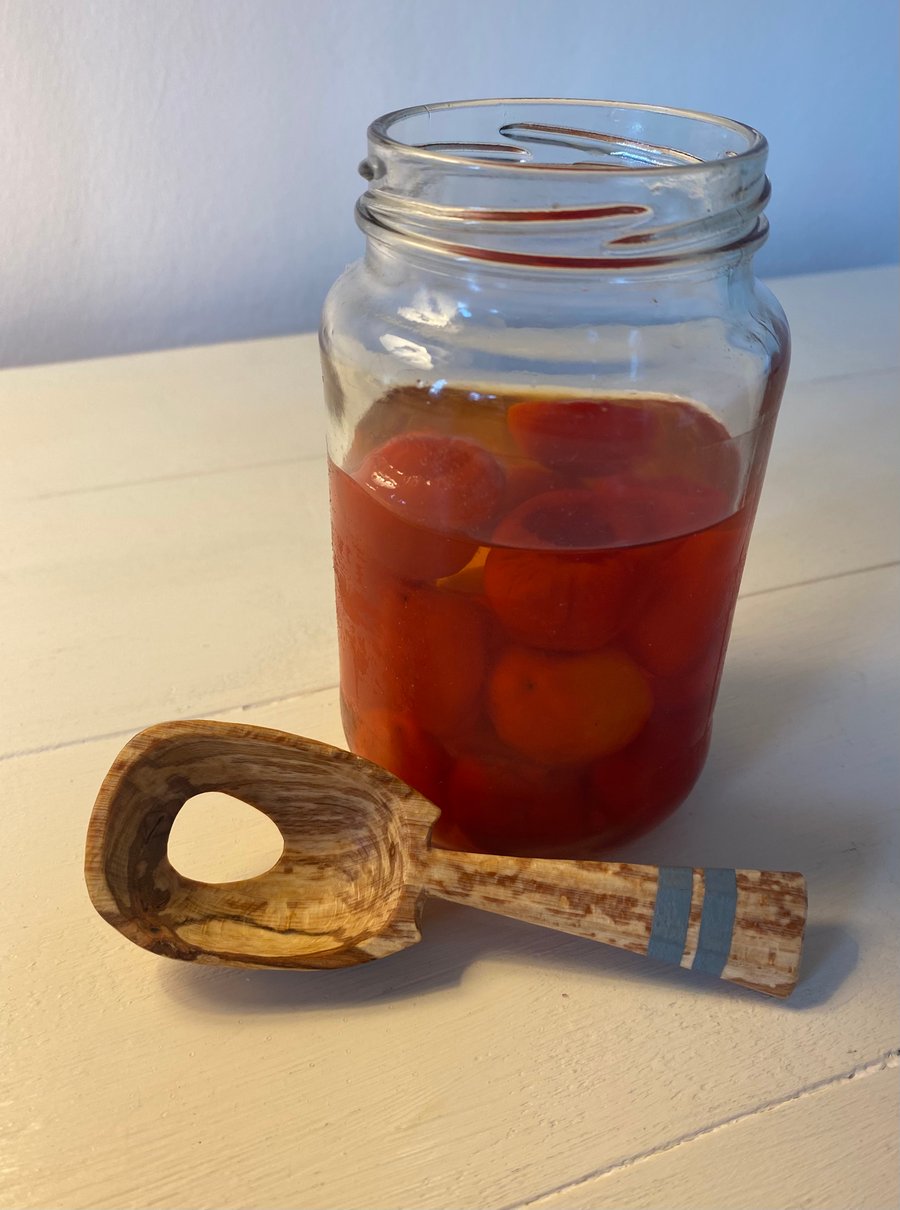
{"x":552,"y":383}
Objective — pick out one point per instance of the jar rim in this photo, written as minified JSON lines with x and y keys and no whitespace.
{"x":380,"y":138}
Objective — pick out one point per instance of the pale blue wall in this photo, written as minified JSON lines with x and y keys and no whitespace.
{"x":178,"y":171}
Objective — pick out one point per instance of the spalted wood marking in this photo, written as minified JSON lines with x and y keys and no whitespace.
{"x":357,"y":866}
{"x":768,"y":933}
{"x":605,"y":901}
{"x":338,"y":895}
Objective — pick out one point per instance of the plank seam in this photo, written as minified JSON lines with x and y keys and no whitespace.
{"x":129,"y":731}
{"x":296,"y":459}
{"x":888,"y":1060}
{"x":835,"y":575}
{"x":290,"y":697}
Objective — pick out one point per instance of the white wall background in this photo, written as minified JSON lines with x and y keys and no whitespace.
{"x":178,"y":171}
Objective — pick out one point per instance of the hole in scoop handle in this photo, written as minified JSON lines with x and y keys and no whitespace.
{"x":745,"y":926}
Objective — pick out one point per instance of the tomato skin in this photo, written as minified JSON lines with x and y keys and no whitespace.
{"x":394,"y":740}
{"x":583,"y":436}
{"x":692,"y":599}
{"x":435,"y":646}
{"x":448,"y":484}
{"x":371,"y":539}
{"x":567,"y":709}
{"x":501,"y":803}
{"x":643,"y":782}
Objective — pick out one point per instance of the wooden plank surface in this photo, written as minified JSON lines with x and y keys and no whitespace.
{"x":753,"y":1160}
{"x":178,"y":564}
{"x":493,"y":1060}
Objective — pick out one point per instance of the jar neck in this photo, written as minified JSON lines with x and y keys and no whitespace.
{"x":598,"y":200}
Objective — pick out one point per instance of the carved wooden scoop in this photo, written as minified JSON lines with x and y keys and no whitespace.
{"x":357,"y":866}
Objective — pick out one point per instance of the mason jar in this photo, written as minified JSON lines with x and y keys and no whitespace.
{"x":552,"y":382}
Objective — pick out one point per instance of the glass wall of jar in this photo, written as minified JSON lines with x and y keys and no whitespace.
{"x":552,"y":382}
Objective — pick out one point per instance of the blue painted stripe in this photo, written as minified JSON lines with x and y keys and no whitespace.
{"x":671,"y":913}
{"x":716,"y":921}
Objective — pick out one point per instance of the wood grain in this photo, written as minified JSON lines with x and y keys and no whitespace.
{"x":613,"y":902}
{"x":341,"y":892}
{"x":356,"y":865}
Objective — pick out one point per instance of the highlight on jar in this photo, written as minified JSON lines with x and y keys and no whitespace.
{"x":534,"y":595}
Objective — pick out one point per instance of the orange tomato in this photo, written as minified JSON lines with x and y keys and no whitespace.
{"x":567,"y":709}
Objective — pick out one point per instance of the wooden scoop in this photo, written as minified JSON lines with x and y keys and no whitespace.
{"x":357,"y":866}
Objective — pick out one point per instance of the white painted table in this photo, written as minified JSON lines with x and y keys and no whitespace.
{"x":164,"y":553}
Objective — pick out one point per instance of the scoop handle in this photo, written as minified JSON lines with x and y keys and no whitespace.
{"x":745,"y":926}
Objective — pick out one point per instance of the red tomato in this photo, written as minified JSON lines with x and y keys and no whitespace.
{"x":548,"y":594}
{"x":447,"y":484}
{"x":639,"y":511}
{"x":639,"y":785}
{"x":367,"y":678}
{"x":525,"y":480}
{"x":397,"y":743}
{"x":586,"y":436}
{"x":693,"y":690}
{"x":567,"y":709}
{"x":691,"y":602}
{"x":651,"y":437}
{"x":436,"y":644}
{"x":369,"y":537}
{"x":562,"y":602}
{"x":694,"y":445}
{"x":503,"y":804}
{"x":565,"y":519}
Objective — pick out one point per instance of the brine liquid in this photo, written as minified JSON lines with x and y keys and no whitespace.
{"x":534,"y":596}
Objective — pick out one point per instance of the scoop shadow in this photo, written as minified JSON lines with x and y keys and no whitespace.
{"x":721,"y":824}
{"x":456,"y":938}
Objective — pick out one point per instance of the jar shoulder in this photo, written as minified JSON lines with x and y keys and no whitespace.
{"x":719,"y":339}
{"x":438,"y":306}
